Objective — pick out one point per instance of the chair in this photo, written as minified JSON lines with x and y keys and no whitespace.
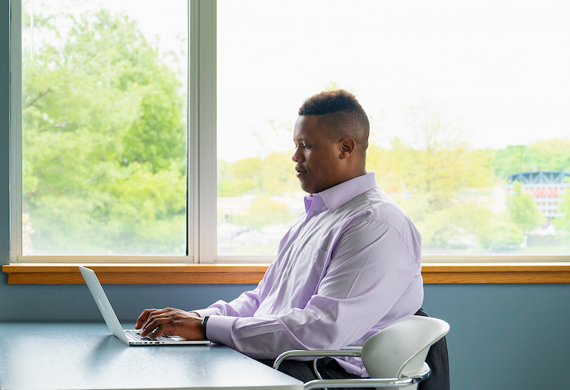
{"x":394,"y":357}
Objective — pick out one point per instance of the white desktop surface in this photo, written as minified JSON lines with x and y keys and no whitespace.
{"x":86,"y":356}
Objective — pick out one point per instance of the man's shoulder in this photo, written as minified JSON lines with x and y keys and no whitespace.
{"x":376,"y":205}
{"x":377,"y":202}
{"x":374,"y":214}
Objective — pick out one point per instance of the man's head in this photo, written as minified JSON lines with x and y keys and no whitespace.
{"x":331,"y":137}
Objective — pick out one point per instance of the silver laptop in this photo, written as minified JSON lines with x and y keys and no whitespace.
{"x":131,"y":337}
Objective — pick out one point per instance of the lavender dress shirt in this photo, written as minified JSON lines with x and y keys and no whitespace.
{"x":348,"y":267}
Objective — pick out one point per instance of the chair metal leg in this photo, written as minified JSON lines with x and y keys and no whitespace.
{"x":316,"y":370}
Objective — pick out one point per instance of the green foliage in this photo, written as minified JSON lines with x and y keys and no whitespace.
{"x":235,"y":187}
{"x":247,"y":168}
{"x":550,"y":155}
{"x":104,"y":140}
{"x":157,"y":136}
{"x":332,"y":86}
{"x":442,"y":185}
{"x":264,"y":212}
{"x":522,"y":210}
{"x":272,"y":175}
{"x":448,"y":189}
{"x":503,"y":236}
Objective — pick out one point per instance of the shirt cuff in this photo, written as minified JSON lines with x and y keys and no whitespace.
{"x":206,"y":312}
{"x":219,"y":329}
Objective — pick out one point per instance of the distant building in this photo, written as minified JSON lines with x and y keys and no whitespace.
{"x":547,"y":189}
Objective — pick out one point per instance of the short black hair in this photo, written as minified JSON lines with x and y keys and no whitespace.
{"x":341,"y":114}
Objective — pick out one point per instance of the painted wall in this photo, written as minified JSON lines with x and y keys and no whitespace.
{"x":502,"y":336}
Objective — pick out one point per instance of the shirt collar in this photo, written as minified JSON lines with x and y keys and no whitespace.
{"x":340,"y":194}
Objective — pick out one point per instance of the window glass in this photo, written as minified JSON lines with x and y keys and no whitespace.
{"x":468,"y":104}
{"x":104,"y":127}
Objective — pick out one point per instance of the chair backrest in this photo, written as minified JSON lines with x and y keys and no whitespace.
{"x":401,"y":348}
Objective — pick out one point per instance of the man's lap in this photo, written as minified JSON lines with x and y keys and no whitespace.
{"x":303,"y":370}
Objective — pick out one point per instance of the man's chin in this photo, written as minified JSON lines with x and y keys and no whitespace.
{"x":304,"y":187}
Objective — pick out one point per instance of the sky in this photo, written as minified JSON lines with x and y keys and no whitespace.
{"x":497,"y":71}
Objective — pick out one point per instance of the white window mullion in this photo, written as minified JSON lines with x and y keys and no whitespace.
{"x":15,"y":130}
{"x":203,"y":128}
{"x":192,"y":200}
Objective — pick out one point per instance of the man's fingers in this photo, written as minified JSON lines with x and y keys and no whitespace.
{"x":143,"y":318}
{"x":162,"y":330}
{"x":155,"y":315}
{"x":150,"y":328}
{"x":167,"y":321}
{"x":149,"y":314}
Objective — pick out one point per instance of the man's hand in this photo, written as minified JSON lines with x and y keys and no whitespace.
{"x":169,"y":321}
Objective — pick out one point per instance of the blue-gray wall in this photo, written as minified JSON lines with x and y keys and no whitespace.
{"x":502,"y":336}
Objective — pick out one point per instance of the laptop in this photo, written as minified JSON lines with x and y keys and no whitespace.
{"x":130,"y":337}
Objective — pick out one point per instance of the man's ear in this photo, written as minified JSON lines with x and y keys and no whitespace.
{"x":347,"y":147}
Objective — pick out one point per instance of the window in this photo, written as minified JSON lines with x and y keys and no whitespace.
{"x":101,"y":103}
{"x":145,"y":132}
{"x":104,"y":128}
{"x":467,"y":102}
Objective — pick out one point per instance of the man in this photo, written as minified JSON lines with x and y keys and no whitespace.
{"x":348,"y":267}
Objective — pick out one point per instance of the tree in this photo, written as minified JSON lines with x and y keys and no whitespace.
{"x":265,"y":212}
{"x":503,"y":236}
{"x":437,"y":179}
{"x":549,"y":155}
{"x":104,"y":161}
{"x":523,"y":211}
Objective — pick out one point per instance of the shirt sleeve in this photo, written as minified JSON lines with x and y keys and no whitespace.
{"x":369,"y":271}
{"x":246,"y":304}
{"x":243,"y":306}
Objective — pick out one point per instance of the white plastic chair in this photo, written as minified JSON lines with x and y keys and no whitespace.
{"x":394,"y":357}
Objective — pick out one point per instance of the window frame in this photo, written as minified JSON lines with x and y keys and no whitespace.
{"x":201,"y":145}
{"x":201,"y":162}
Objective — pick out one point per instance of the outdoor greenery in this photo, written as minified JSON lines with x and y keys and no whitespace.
{"x":104,"y":157}
{"x":522,"y":211}
{"x":448,"y":189}
{"x":104,"y":140}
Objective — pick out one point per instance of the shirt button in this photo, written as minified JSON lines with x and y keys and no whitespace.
{"x":314,"y":213}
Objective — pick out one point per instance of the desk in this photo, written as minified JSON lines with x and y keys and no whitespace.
{"x":86,"y":356}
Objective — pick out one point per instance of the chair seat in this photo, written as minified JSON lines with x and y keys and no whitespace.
{"x":394,"y":357}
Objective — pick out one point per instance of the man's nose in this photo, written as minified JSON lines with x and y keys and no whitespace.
{"x":297,"y":155}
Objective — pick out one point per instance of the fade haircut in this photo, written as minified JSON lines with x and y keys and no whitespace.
{"x":341,"y":115}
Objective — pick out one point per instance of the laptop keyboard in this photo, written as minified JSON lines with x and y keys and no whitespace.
{"x":135,"y":334}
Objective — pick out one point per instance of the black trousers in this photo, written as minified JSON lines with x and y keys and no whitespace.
{"x":328,"y":368}
{"x":438,"y":360}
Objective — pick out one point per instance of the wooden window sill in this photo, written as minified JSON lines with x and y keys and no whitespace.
{"x":28,"y":273}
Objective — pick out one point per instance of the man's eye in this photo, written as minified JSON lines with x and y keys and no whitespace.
{"x":306,"y":147}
